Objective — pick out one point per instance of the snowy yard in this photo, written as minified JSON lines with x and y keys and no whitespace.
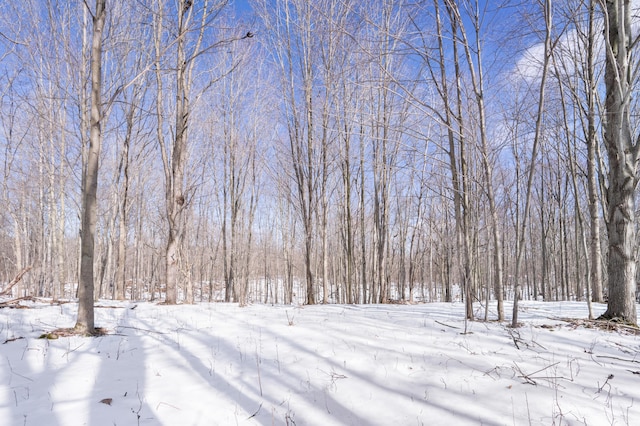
{"x":218,"y":364}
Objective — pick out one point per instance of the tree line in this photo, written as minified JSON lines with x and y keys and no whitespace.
{"x":334,"y":151}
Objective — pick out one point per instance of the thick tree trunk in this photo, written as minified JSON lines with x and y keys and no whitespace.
{"x":623,"y":164}
{"x":621,"y":229}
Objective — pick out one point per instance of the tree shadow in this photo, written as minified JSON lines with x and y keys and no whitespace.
{"x":118,"y":393}
{"x":283,"y":379}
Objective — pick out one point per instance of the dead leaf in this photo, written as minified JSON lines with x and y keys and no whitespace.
{"x":107,"y":401}
{"x":49,"y":336}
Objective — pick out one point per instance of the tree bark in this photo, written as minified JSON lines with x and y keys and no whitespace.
{"x":175,"y":197}
{"x":85,"y":321}
{"x":123,"y":202}
{"x":592,"y":173}
{"x":623,"y":164}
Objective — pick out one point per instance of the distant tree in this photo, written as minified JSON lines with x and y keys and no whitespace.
{"x":546,"y":6}
{"x":473,"y":54}
{"x":188,"y":32}
{"x":290,"y":25}
{"x":237,"y":134}
{"x":592,"y":173}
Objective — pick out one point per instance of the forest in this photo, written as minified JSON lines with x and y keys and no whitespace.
{"x":326,"y":151}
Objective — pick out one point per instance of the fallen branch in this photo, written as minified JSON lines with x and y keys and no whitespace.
{"x":529,"y":379}
{"x":256,"y":413}
{"x":618,"y":359}
{"x":13,"y":303}
{"x":447,"y":325}
{"x":607,"y":325}
{"x":515,"y":338}
{"x":524,"y":376}
{"x":141,"y":329}
{"x":606,"y":382}
{"x":15,"y":281}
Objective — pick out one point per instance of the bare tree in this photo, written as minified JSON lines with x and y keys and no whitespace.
{"x":473,"y":55}
{"x":385,"y":174}
{"x":85,"y":320}
{"x":387,"y":114}
{"x":290,"y":25}
{"x":235,"y":165}
{"x":12,"y":137}
{"x":521,"y":232}
{"x":191,"y":25}
{"x":623,"y":151}
{"x":592,"y":170}
{"x":579,"y":73}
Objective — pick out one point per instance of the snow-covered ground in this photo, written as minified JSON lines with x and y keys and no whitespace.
{"x":218,"y":364}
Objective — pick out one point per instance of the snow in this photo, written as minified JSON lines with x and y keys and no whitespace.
{"x":219,"y":364}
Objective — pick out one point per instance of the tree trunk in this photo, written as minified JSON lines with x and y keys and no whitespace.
{"x":621,"y":231}
{"x":120,"y":287}
{"x":363,"y":239}
{"x":623,"y":164}
{"x":592,"y":174}
{"x":175,"y":197}
{"x":459,"y":178}
{"x":536,"y":143}
{"x":85,"y":320}
{"x":477,"y":82}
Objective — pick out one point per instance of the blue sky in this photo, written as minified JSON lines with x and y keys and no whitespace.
{"x":241,"y":5}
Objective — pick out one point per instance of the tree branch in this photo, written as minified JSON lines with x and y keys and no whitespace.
{"x":15,"y":281}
